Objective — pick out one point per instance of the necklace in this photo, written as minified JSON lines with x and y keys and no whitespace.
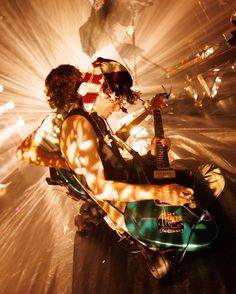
{"x":103,"y":127}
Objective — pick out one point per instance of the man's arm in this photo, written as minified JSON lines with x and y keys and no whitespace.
{"x":79,"y":145}
{"x":31,"y":153}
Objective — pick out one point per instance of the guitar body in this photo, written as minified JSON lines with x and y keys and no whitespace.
{"x":162,"y":225}
{"x":159,"y":225}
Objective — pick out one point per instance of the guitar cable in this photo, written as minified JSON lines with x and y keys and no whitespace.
{"x":201,"y":218}
{"x":190,"y":236}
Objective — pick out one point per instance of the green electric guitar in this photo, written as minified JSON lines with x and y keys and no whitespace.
{"x":161,"y":225}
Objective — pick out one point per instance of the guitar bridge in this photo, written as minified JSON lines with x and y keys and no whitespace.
{"x":170,"y":222}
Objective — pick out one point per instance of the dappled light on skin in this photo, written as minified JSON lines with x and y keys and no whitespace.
{"x":31,"y":153}
{"x":71,"y":151}
{"x":84,"y":160}
{"x":32,"y":156}
{"x":126,"y":192}
{"x":91,"y":180}
{"x":145,"y":194}
{"x":85,"y":145}
{"x":80,"y":171}
{"x":78,"y":164}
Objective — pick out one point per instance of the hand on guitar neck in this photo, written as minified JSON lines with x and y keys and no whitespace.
{"x":164,"y":142}
{"x":159,"y":148}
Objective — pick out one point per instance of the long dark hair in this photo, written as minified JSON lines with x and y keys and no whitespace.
{"x":62,"y":84}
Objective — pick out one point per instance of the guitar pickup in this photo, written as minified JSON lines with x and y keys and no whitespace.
{"x":164,"y":174}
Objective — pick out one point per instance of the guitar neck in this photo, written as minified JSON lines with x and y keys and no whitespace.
{"x":158,"y":125}
{"x":162,"y":160}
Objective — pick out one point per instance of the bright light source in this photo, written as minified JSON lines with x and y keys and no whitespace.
{"x":1,"y":88}
{"x":138,"y":132}
{"x":20,"y":122}
{"x":130,"y":30}
{"x":195,"y":95}
{"x":11,"y":105}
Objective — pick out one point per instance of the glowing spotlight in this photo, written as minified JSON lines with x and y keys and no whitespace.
{"x":130,"y":30}
{"x":11,"y":105}
{"x":7,"y":106}
{"x":20,"y":122}
{"x":215,"y":87}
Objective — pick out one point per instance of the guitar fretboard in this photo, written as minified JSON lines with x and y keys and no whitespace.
{"x":158,"y":126}
{"x":161,"y":151}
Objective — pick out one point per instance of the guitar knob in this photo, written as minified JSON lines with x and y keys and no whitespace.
{"x":192,"y":204}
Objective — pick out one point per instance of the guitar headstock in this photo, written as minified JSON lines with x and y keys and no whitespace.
{"x":157,"y":102}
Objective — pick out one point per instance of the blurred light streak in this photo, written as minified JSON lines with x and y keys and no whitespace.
{"x":6,"y":133}
{"x":202,"y":152}
{"x":141,"y":146}
{"x":138,"y":132}
{"x":32,"y":211}
{"x":8,"y":167}
{"x":1,"y":88}
{"x":7,"y":106}
{"x":3,"y":188}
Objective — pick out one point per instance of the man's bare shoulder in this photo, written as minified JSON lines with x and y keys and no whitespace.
{"x":78,"y":127}
{"x":75,"y":121}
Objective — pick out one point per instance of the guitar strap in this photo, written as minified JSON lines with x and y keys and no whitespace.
{"x":137,"y":160}
{"x":114,"y":211}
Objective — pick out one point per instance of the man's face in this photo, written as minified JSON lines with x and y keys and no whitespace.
{"x":106,"y":104}
{"x":49,"y":101}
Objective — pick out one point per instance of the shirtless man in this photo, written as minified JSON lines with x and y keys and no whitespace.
{"x":91,"y":150}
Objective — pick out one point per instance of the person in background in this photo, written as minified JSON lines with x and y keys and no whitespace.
{"x":41,"y":147}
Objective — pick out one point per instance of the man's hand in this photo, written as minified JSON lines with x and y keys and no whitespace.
{"x":163,"y":141}
{"x":33,"y":154}
{"x":175,"y":194}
